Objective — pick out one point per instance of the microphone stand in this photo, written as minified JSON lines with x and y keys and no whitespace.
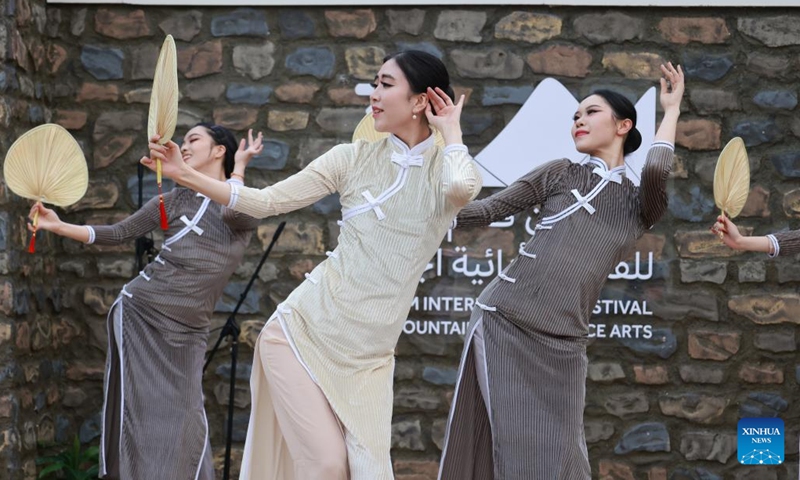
{"x":144,"y":245}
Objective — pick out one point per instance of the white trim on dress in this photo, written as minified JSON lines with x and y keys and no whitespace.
{"x":407,"y":158}
{"x":776,"y":247}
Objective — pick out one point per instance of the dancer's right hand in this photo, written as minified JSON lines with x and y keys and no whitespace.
{"x":728,"y":232}
{"x":48,"y":219}
{"x":172,"y":164}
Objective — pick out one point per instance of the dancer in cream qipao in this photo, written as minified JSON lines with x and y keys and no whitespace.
{"x":325,"y":407}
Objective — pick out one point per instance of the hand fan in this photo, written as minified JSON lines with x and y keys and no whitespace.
{"x":46,"y":165}
{"x":732,"y":179}
{"x":164,"y":108}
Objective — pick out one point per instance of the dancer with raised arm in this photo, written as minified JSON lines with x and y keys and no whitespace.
{"x":323,"y":367}
{"x":518,"y":407}
{"x":154,"y":423}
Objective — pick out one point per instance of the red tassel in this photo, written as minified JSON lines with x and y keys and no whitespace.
{"x":164,"y":222}
{"x":32,"y":245}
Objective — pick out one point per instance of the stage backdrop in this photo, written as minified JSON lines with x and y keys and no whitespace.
{"x":687,"y":338}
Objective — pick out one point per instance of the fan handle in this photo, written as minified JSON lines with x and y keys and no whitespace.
{"x":32,"y":245}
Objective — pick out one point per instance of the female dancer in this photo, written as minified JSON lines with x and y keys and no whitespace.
{"x":154,"y":423}
{"x":322,"y":374}
{"x":518,"y":406}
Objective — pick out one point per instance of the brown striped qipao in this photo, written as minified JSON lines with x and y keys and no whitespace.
{"x":534,"y":318}
{"x":154,"y":423}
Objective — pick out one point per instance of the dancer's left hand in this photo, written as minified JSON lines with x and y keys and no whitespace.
{"x":248,"y":148}
{"x":448,"y":115}
{"x":672,"y":86}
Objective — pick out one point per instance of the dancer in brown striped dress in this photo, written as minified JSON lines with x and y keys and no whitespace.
{"x":518,"y":407}
{"x":774,"y":244}
{"x":154,"y":422}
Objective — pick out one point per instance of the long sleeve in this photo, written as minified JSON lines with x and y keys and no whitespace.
{"x":461,"y":181}
{"x":142,"y":221}
{"x":239,"y":221}
{"x":323,"y":176}
{"x":653,"y":188}
{"x":787,"y":243}
{"x":531,"y":189}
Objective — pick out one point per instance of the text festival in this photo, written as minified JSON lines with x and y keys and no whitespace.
{"x":481,"y":270}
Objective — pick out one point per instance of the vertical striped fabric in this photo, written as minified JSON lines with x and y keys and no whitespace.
{"x":346,"y":318}
{"x":535,"y":321}
{"x":788,"y":242}
{"x":154,"y":375}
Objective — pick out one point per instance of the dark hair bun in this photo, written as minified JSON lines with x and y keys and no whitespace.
{"x":632,"y":142}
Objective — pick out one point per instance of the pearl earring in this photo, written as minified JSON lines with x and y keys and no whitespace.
{"x":414,"y":116}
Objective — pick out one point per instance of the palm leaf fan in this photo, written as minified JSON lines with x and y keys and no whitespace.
{"x":365,"y":130}
{"x":732,"y":178}
{"x":163,"y":114}
{"x":46,"y":165}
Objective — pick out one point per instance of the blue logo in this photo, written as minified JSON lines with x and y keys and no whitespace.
{"x":760,"y":441}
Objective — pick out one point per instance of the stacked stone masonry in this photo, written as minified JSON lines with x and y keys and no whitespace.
{"x":724,"y":342}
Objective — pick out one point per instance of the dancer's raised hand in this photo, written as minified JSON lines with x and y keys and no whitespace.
{"x":448,"y":115}
{"x":672,"y":86}
{"x":172,"y":164}
{"x":248,"y":148}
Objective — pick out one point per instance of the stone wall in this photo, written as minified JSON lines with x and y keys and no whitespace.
{"x":42,"y":378}
{"x":724,"y":343}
